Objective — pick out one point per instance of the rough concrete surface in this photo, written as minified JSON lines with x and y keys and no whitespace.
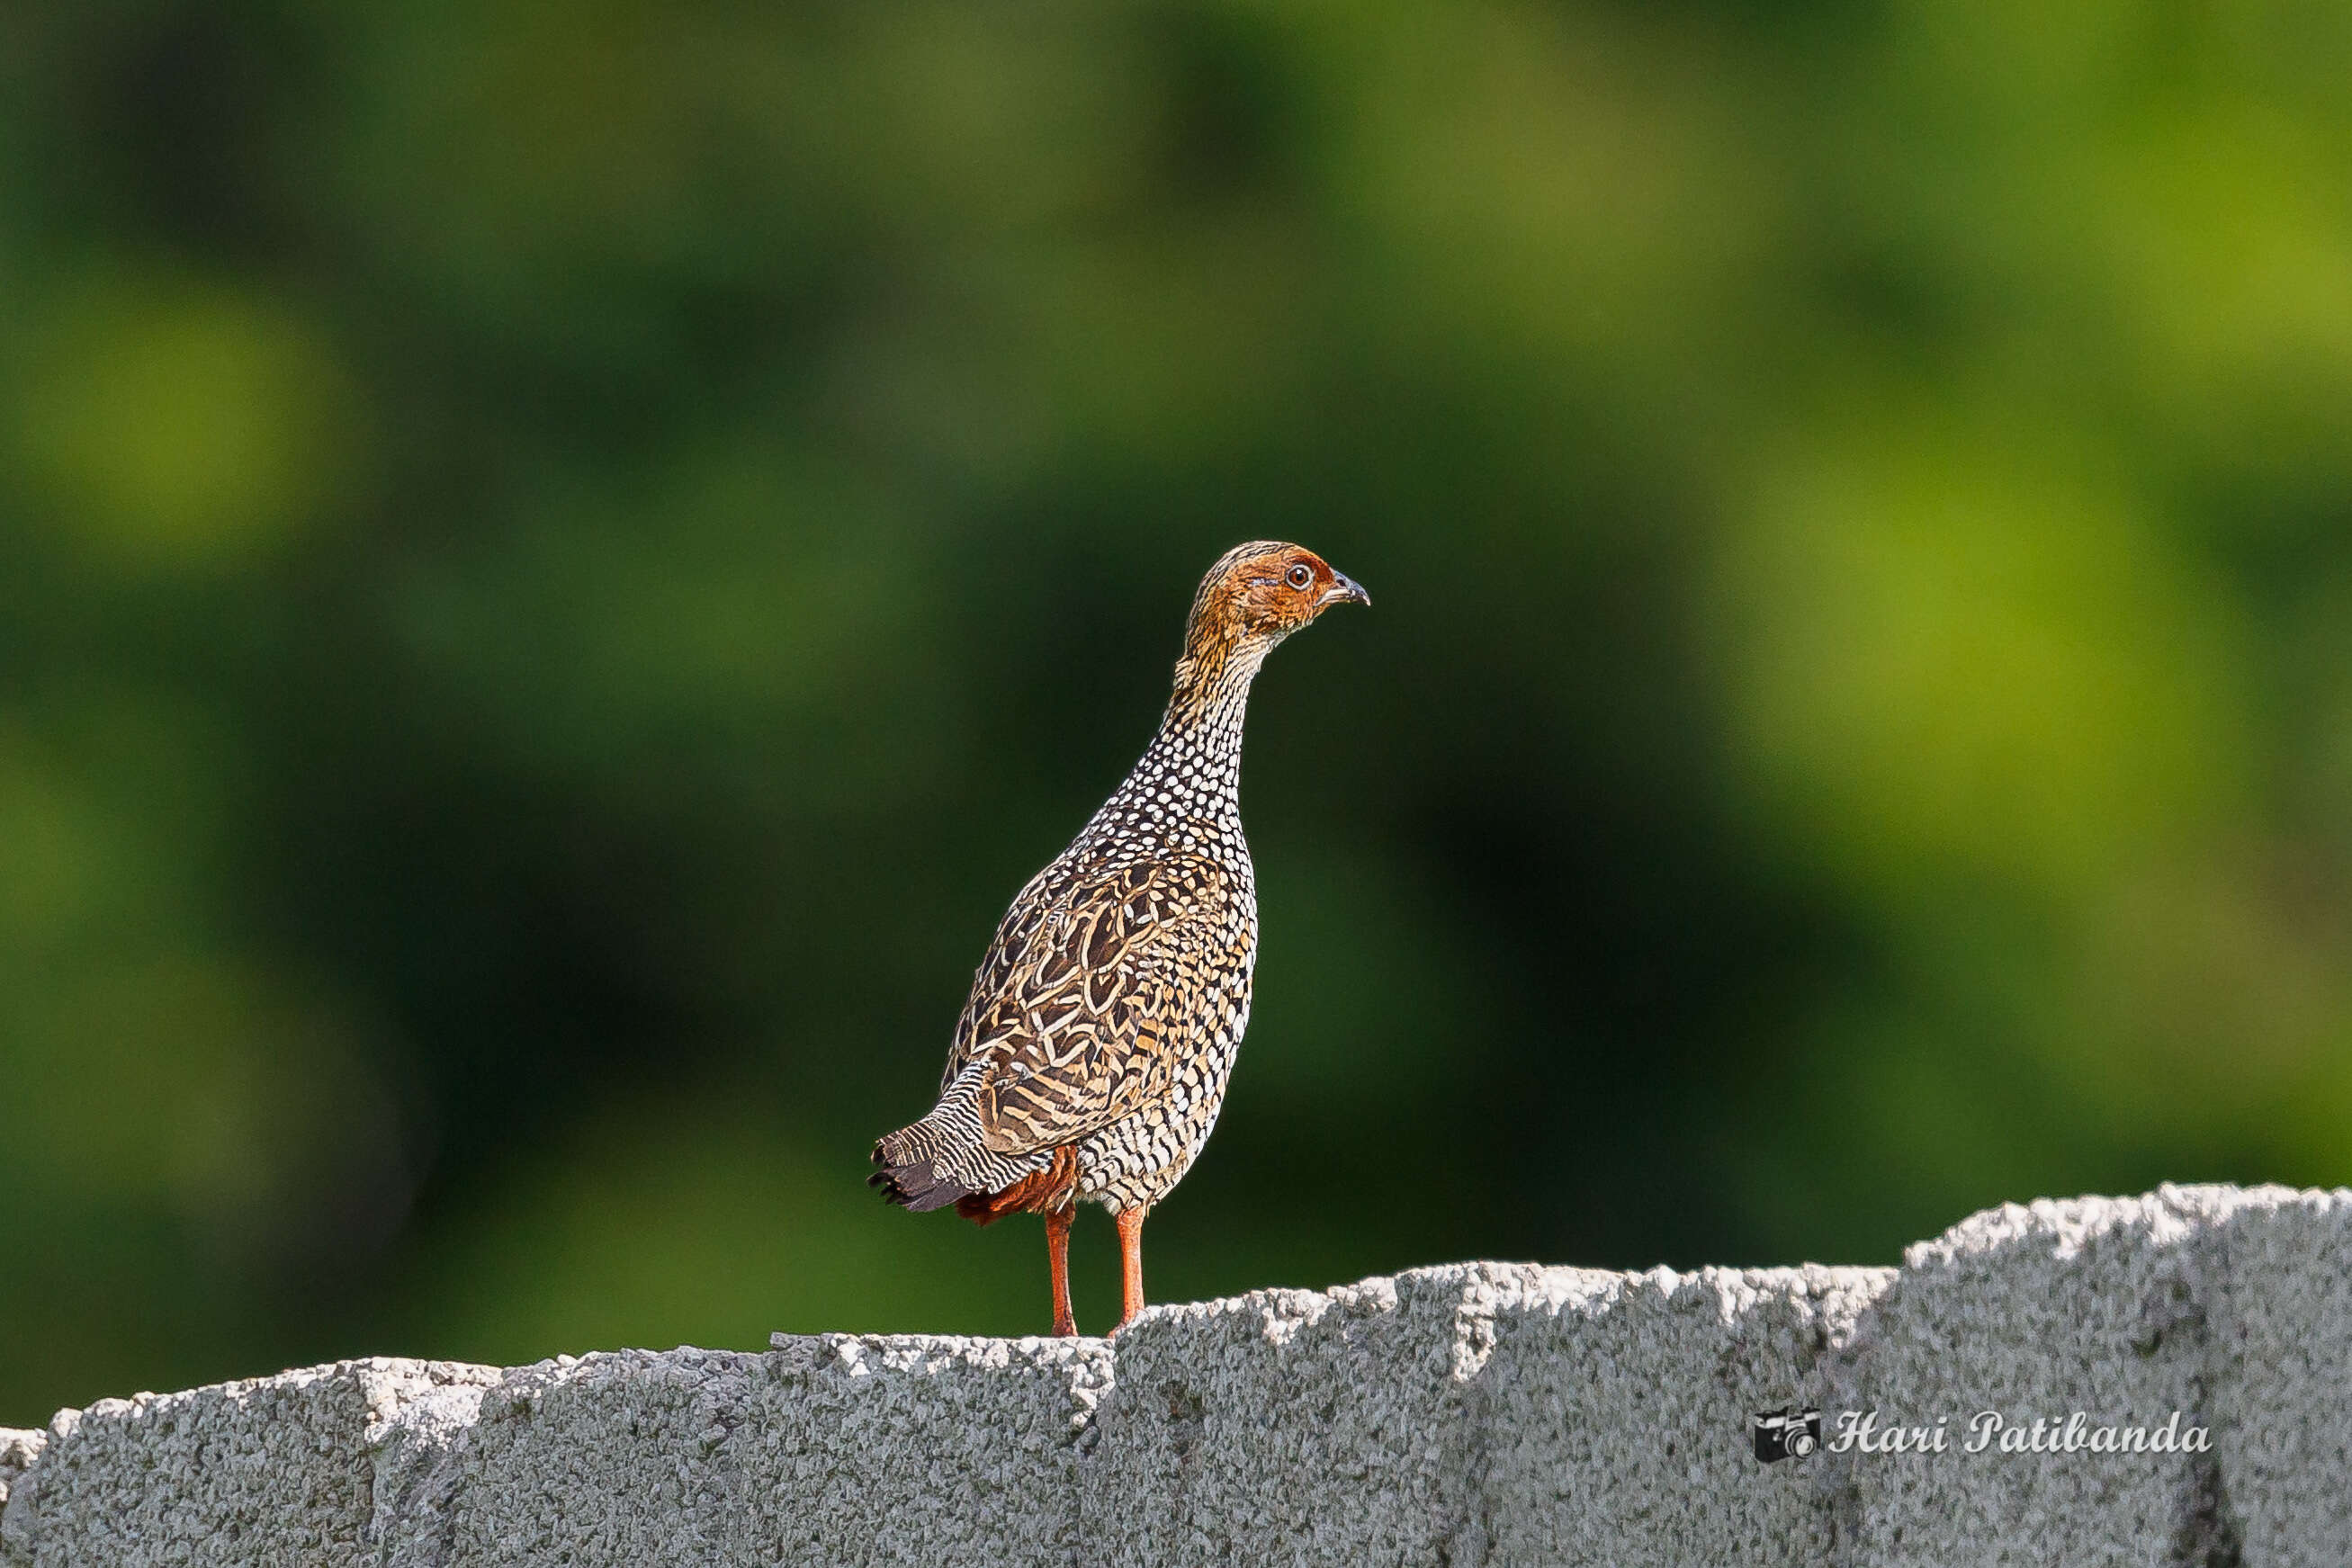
{"x":1471,"y":1414}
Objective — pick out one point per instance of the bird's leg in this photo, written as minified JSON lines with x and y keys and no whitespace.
{"x":1057,"y":1263}
{"x":1131,"y":1266}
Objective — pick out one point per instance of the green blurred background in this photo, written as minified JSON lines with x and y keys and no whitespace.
{"x":559,"y":564}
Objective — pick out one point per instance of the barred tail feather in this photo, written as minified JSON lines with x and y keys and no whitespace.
{"x":909,"y":1176}
{"x":945,"y":1158}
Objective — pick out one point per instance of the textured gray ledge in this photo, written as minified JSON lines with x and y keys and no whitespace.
{"x":1474,"y":1414}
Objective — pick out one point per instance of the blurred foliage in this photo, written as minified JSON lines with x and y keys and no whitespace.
{"x":559,"y":564}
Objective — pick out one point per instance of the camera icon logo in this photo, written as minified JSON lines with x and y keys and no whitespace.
{"x":1787,"y":1433}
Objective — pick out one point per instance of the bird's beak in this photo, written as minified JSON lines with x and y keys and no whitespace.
{"x":1343,"y":590}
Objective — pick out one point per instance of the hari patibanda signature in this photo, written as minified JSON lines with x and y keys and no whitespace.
{"x":1989,"y":1431}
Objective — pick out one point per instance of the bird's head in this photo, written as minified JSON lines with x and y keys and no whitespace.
{"x":1261,"y":592}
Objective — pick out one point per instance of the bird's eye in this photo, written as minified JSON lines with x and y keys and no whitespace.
{"x":1301,"y":577}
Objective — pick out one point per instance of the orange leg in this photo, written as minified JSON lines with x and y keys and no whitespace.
{"x":1057,"y":1262}
{"x":1130,"y":1265}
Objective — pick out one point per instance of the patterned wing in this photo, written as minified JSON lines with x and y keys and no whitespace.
{"x":1095,"y":979}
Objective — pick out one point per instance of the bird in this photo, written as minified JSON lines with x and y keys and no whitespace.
{"x":1091,"y":1058}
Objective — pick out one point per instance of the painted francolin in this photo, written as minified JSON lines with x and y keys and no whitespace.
{"x":1093,"y":1054}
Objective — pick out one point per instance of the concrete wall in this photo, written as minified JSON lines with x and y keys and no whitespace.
{"x":1472,"y":1414}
